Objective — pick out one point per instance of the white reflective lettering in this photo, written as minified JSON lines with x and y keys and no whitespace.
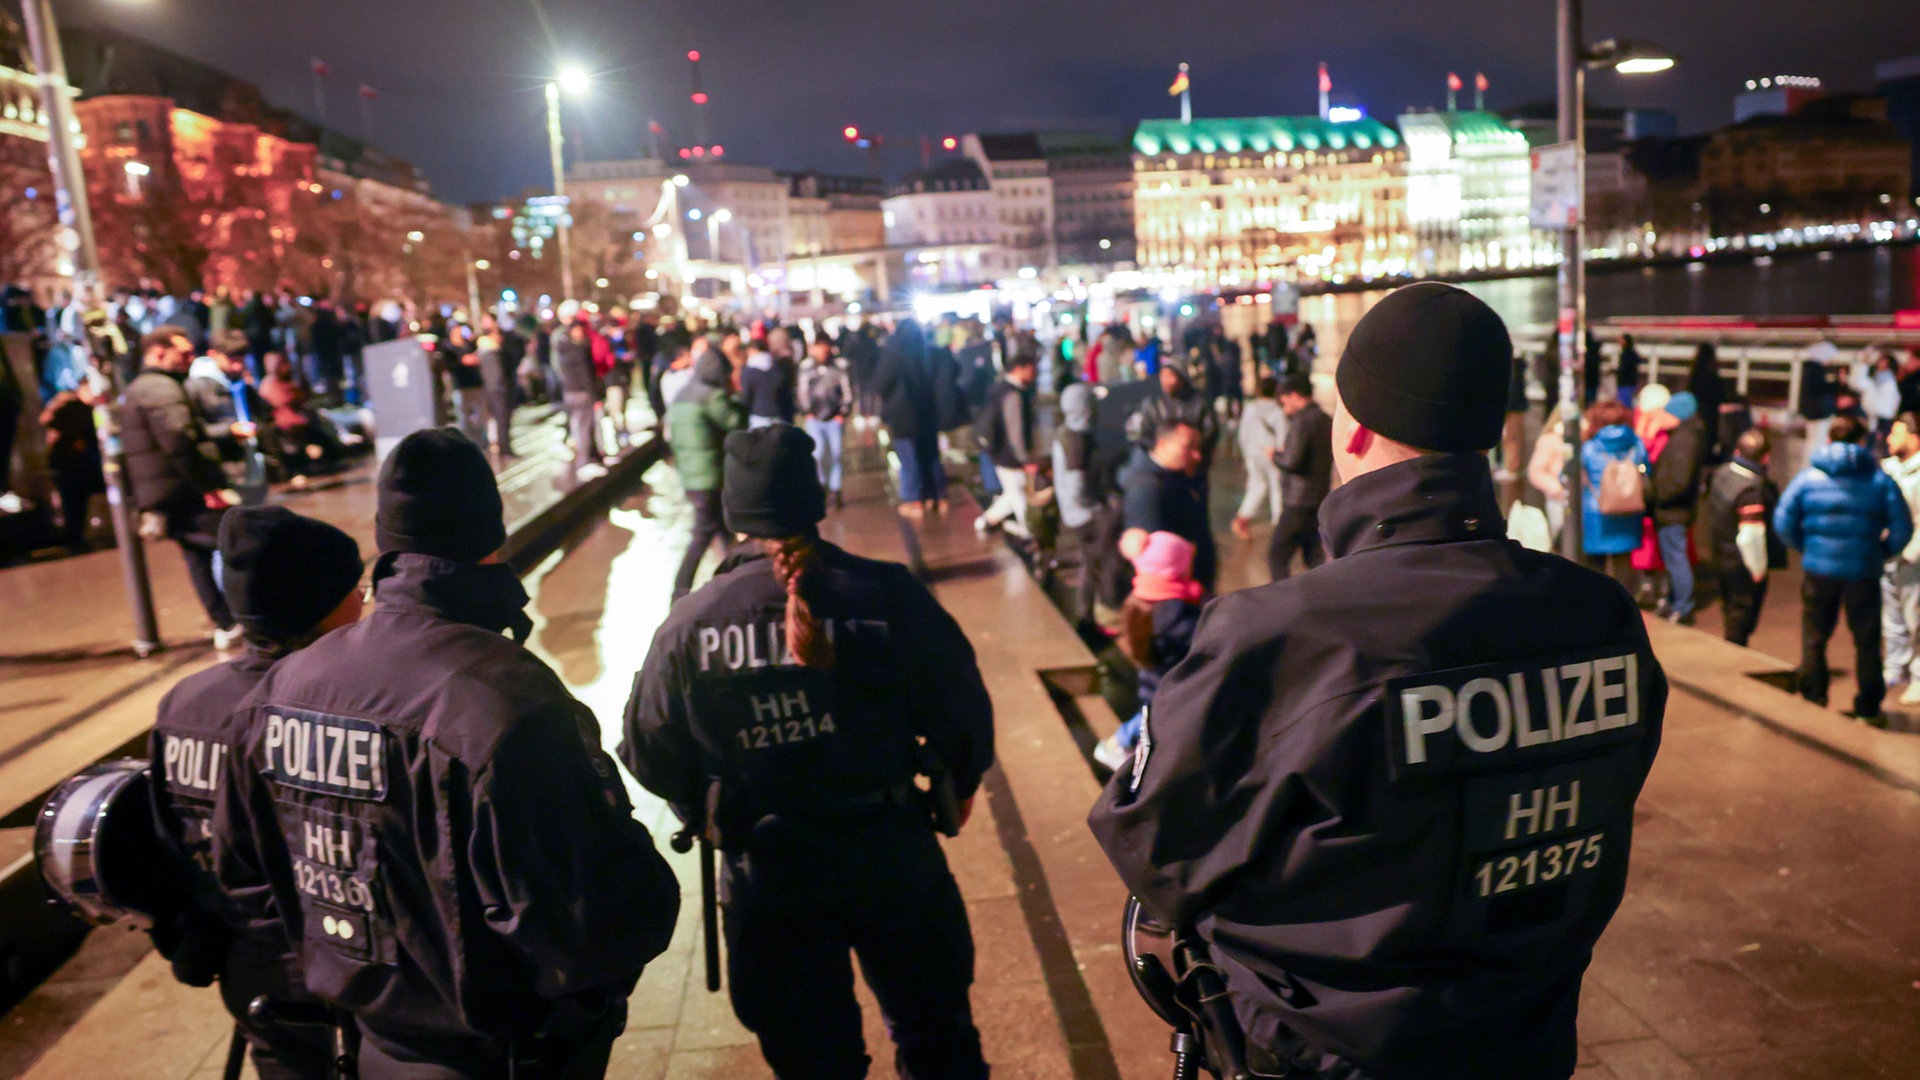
{"x":1503,"y":716}
{"x":709,"y":644}
{"x":1420,"y":723}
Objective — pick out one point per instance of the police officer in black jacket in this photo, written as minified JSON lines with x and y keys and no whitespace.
{"x":289,"y":579}
{"x":785,"y":709}
{"x":427,"y":810}
{"x":1394,"y":795}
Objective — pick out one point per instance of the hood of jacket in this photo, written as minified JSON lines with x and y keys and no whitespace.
{"x":1616,"y":438}
{"x":1076,"y":408}
{"x":760,"y":361}
{"x":1844,"y":459}
{"x":487,"y":595}
{"x":712,"y":369}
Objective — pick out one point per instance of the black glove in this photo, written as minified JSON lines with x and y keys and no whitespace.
{"x":196,"y":945}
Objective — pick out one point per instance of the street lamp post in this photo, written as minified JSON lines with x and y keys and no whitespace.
{"x":1628,"y":58}
{"x":573,"y":81}
{"x":76,"y":240}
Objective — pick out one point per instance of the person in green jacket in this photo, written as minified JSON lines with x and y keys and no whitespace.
{"x":699,"y":416}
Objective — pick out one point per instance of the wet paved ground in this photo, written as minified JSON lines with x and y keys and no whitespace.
{"x":1768,"y":928}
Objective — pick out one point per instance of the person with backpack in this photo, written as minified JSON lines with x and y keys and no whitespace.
{"x":1613,"y":500}
{"x":1740,"y":536}
{"x":1004,"y":433}
{"x":826,"y":396}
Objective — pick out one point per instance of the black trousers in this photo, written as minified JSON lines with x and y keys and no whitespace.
{"x":576,"y":1055}
{"x":1088,"y":536}
{"x":77,"y":487}
{"x":500,"y":411}
{"x":281,"y":1051}
{"x":1298,"y":530}
{"x":198,"y":535}
{"x":1741,"y":598}
{"x":707,"y":524}
{"x":801,"y":899}
{"x":1822,"y":600}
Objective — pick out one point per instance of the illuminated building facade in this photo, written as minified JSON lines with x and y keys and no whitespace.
{"x":945,"y":220}
{"x":1468,"y":177}
{"x":1236,"y":202}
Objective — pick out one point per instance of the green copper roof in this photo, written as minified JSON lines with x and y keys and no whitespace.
{"x":1260,"y":134}
{"x":1466,"y":127}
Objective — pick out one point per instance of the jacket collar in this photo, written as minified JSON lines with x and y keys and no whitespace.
{"x":1438,"y":498}
{"x":489,"y":595}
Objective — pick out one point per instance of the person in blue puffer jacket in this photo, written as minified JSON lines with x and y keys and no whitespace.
{"x":1846,"y":517}
{"x":1606,"y":538}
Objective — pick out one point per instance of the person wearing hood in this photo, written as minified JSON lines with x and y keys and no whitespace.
{"x":238,"y":419}
{"x":1075,"y":491}
{"x":1177,"y":402}
{"x":1607,"y":534}
{"x":1900,"y":586}
{"x":699,"y":417}
{"x":1673,"y":497}
{"x":826,"y":394}
{"x":423,"y":810}
{"x":766,"y":391}
{"x":1846,"y":517}
{"x":290,"y":580}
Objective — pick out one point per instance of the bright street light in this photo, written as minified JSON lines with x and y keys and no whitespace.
{"x":680,"y":180}
{"x":137,"y":168}
{"x":693,"y":214}
{"x":482,"y":264}
{"x":574,"y":79}
{"x":723,"y":215}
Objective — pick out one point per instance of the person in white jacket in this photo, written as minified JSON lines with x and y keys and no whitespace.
{"x":1900,"y":584}
{"x":1263,"y":429}
{"x":1879,"y":388}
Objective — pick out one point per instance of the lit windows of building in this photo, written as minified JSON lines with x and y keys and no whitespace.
{"x":1468,"y":177}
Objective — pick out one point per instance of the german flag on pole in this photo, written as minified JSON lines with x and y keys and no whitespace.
{"x":1180,"y":83}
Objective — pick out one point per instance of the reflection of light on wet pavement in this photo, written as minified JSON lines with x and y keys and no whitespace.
{"x":597,"y":603}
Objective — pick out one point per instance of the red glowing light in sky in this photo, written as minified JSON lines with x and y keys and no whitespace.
{"x":693,"y":55}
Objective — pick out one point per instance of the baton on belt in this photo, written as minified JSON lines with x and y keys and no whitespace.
{"x":709,"y":901}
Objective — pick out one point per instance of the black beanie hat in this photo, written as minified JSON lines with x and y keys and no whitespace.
{"x":1429,"y":366}
{"x":438,"y":497}
{"x":283,"y":573}
{"x":772,"y":486}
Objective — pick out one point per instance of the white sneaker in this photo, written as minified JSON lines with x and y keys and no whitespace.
{"x":227,"y":638}
{"x":590,"y":471}
{"x":1110,"y":753}
{"x":1911,"y":696}
{"x":982,"y":526}
{"x":11,"y":503}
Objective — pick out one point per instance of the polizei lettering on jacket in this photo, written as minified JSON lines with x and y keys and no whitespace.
{"x":735,"y":645}
{"x":1505,"y":715}
{"x":332,"y":755}
{"x":193,"y":765}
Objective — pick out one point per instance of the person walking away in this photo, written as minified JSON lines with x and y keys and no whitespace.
{"x":1613,"y":503}
{"x":1513,"y":435}
{"x":1007,"y":437}
{"x":1740,"y":502}
{"x":826,"y":397}
{"x":826,"y":840}
{"x":1167,"y":493}
{"x":1157,"y":625}
{"x":174,"y":469}
{"x":699,"y":418}
{"x":904,"y":394}
{"x":765,"y":391}
{"x":1322,"y":788}
{"x":465,"y":877}
{"x":1674,"y":492}
{"x":579,"y":391}
{"x":1900,"y":584}
{"x":73,"y":457}
{"x":619,"y":375}
{"x":1082,"y":503}
{"x":1847,"y":518}
{"x":290,"y":580}
{"x":1263,"y":430}
{"x":1819,"y":392}
{"x":499,"y":369}
{"x":1305,"y":461}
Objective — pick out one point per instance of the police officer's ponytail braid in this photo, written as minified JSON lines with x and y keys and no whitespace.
{"x":795,"y":558}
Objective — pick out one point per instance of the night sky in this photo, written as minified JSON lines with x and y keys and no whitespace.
{"x":460,"y":79}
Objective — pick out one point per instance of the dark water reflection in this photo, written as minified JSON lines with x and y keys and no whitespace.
{"x":1870,"y":281}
